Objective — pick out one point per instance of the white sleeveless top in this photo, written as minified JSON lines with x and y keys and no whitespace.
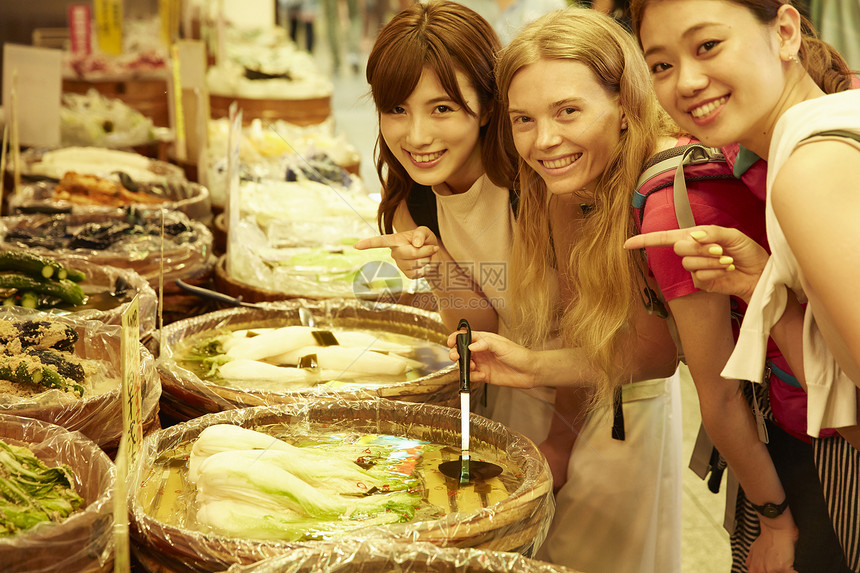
{"x":831,"y":392}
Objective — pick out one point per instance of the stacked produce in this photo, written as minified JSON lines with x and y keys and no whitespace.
{"x":298,"y":357}
{"x":35,"y":281}
{"x":31,"y":492}
{"x":93,"y":119}
{"x":250,"y":484}
{"x":38,"y":355}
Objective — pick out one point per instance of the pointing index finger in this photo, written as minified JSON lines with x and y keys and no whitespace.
{"x":656,"y":239}
{"x":377,"y":242}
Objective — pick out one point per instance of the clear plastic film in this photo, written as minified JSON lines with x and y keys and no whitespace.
{"x":98,"y":413}
{"x":83,"y":542}
{"x":109,"y":291}
{"x":510,"y":512}
{"x":187,"y":394}
{"x":375,"y":556}
{"x":188,"y":197}
{"x":119,"y":238}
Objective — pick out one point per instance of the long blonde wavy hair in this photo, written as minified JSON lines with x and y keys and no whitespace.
{"x":600,"y":272}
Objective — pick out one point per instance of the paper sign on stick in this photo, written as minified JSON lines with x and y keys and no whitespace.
{"x":109,"y":25}
{"x":80,"y":29}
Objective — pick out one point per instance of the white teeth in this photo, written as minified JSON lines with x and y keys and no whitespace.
{"x":563,"y":162}
{"x":708,"y":108}
{"x":425,"y":157}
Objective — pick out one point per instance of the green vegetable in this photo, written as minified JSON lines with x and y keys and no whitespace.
{"x":37,"y":266}
{"x":32,"y":492}
{"x":250,"y":484}
{"x":29,"y":299}
{"x":27,"y":370}
{"x":64,"y":289}
{"x":66,"y":364}
{"x":41,"y":334}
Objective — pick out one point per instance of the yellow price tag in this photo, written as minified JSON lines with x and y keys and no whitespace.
{"x":109,"y":25}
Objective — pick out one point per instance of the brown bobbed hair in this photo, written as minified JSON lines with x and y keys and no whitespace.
{"x":822,"y":62}
{"x":445,"y":37}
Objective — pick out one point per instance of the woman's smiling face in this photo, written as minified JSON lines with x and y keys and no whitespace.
{"x":716,"y":68}
{"x":435,"y":138}
{"x":565,"y":123}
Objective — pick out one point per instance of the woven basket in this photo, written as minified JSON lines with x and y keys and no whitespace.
{"x":377,"y":556}
{"x":517,"y":523}
{"x":82,"y":543}
{"x":296,"y":111}
{"x":185,"y":395}
{"x":148,"y":96}
{"x":98,"y":417}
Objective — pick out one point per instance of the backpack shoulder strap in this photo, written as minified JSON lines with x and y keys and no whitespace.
{"x":667,"y":168}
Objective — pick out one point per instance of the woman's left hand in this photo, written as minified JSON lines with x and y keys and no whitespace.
{"x":720,"y":259}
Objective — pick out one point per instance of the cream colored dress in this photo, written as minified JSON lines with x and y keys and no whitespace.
{"x":477,"y":230}
{"x":831,"y":393}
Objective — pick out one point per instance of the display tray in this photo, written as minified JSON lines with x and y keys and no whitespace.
{"x":186,"y":394}
{"x":109,"y":292}
{"x":98,"y":415}
{"x":371,"y":556}
{"x":83,"y":542}
{"x":297,"y":111}
{"x":121,"y":238}
{"x":510,"y":512}
{"x":187,"y":197}
{"x":148,"y":96}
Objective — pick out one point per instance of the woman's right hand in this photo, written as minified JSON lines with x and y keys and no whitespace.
{"x":411,"y":250}
{"x":497,"y":360}
{"x":773,"y":550}
{"x":720,"y":259}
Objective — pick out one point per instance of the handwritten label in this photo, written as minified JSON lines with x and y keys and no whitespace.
{"x":109,"y":25}
{"x":234,"y":138}
{"x":131,"y":386}
{"x":36,"y":76}
{"x":80,"y":31}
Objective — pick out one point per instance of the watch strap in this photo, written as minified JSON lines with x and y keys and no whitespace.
{"x":771,"y":509}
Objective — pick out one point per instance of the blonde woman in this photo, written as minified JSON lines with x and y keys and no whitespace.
{"x":584,"y":122}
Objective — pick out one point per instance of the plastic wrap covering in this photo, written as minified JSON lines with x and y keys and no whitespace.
{"x":190,"y":198}
{"x":102,"y":162}
{"x":120,"y":238}
{"x":279,"y":151}
{"x":109,"y":291}
{"x":511,"y":512}
{"x":83,"y":542}
{"x":374,"y":556}
{"x":187,"y":395}
{"x":93,"y":119}
{"x":98,"y":414}
{"x":322,"y":271}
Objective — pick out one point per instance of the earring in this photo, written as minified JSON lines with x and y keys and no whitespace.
{"x":793,"y":59}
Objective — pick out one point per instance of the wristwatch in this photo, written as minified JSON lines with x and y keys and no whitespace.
{"x":771,"y":509}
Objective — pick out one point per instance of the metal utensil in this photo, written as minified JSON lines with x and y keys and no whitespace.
{"x":322,"y":337}
{"x":464,"y":468}
{"x":215,"y":295}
